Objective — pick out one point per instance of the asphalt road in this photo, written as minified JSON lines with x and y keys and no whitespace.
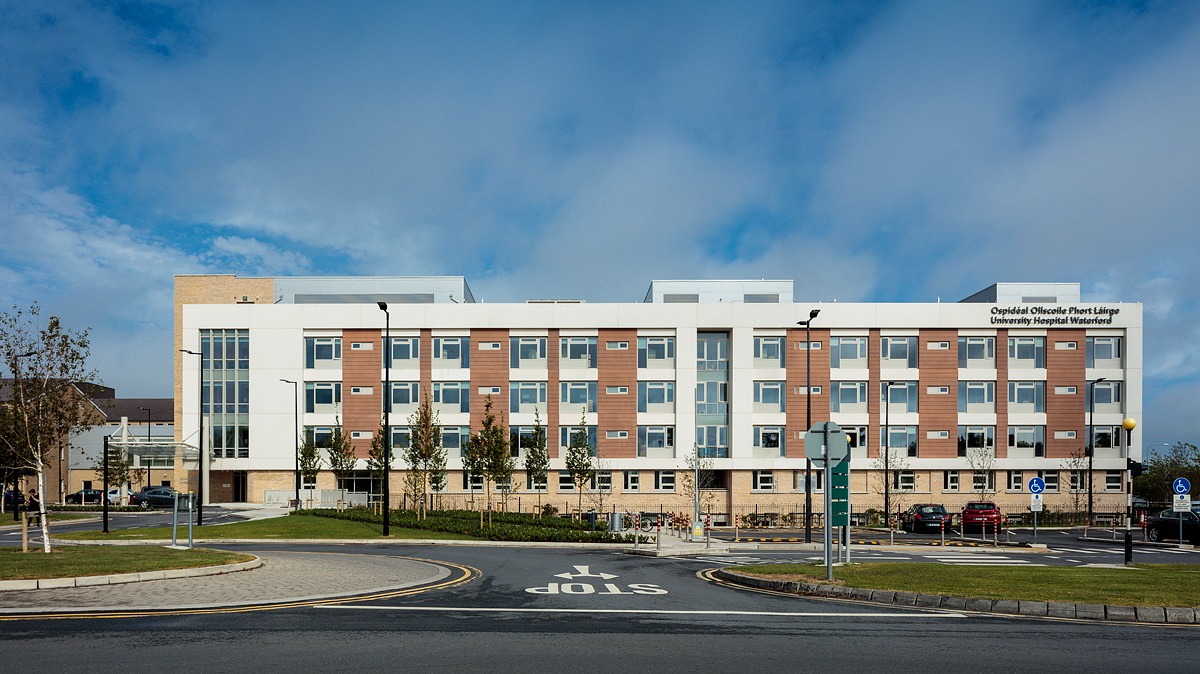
{"x":558,"y":610}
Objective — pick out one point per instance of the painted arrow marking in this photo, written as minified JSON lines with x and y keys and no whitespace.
{"x":584,"y":572}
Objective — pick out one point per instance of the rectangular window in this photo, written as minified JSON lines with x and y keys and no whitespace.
{"x":1077,"y":481}
{"x":762,"y":480}
{"x":1103,"y":437}
{"x":848,"y":396}
{"x":616,"y":390}
{"x":976,"y":438}
{"x":225,"y":389}
{"x":1064,"y":435}
{"x":452,"y":352}
{"x":900,"y":396}
{"x":656,"y":441}
{"x":617,"y":346}
{"x":1065,"y":346}
{"x":656,"y":396}
{"x":904,"y":480}
{"x":400,"y":437}
{"x":1106,"y":393}
{"x":454,"y":396}
{"x":898,"y":352}
{"x":712,"y":442}
{"x":768,"y":352}
{"x":568,"y":433}
{"x":527,"y":352}
{"x":321,"y":436}
{"x":983,"y":480}
{"x":362,"y":346}
{"x":577,"y":352}
{"x":577,"y":395}
{"x":712,"y":351}
{"x":630,"y":480}
{"x":319,"y":352}
{"x":1026,"y":352}
{"x":1050,"y":477}
{"x":1026,"y":396}
{"x":405,"y":352}
{"x":322,"y":397}
{"x":712,"y":397}
{"x":1028,"y":438}
{"x":1065,"y":390}
{"x":798,"y":483}
{"x":602,"y":480}
{"x":403,"y":394}
{"x":768,"y":396}
{"x":454,"y":439}
{"x":526,"y":397}
{"x":656,"y":352}
{"x":950,"y":480}
{"x":489,"y":346}
{"x":664,"y":480}
{"x":1104,"y":352}
{"x":848,"y":352}
{"x":534,"y":485}
{"x":977,"y":396}
{"x":616,"y":435}
{"x":1113,"y":480}
{"x":565,"y":483}
{"x":771,"y":439}
{"x":977,"y":352}
{"x":1015,"y":480}
{"x":900,"y":439}
{"x":856,"y":438}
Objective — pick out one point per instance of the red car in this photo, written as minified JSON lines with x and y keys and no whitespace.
{"x":982,"y":514}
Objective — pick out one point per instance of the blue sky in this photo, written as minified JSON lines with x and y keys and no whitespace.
{"x":873,"y":152}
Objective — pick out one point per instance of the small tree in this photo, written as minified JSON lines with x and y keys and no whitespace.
{"x":380,"y":469}
{"x":437,"y":475}
{"x":982,"y":461}
{"x":1161,"y":469}
{"x":120,"y":468}
{"x":425,"y":442}
{"x":580,"y":464}
{"x":341,"y":456}
{"x":310,"y":464}
{"x":887,"y":469}
{"x":689,"y":487}
{"x":537,"y":459}
{"x":1076,"y":466}
{"x":492,"y":444}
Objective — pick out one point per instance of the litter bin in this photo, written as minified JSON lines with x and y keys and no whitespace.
{"x":614,"y":522}
{"x":590,"y":518}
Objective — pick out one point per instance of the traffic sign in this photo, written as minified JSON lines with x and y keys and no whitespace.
{"x":1181,"y":485}
{"x":1182,"y":503}
{"x":1035,"y":502}
{"x":839,"y":446}
{"x":1036,"y":486}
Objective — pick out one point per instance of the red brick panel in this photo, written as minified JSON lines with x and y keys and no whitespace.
{"x":1001,"y":394}
{"x":939,"y":412}
{"x":873,"y":407}
{"x":551,"y":420}
{"x":796,"y":362}
{"x":488,"y":368}
{"x":617,"y":412}
{"x":1066,"y":412}
{"x":362,"y":368}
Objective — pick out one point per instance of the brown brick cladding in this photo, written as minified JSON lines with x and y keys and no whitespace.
{"x":796,"y":364}
{"x":1066,"y":412}
{"x":426,"y":364}
{"x":1001,"y":394}
{"x":488,"y":368}
{"x":874,"y":411}
{"x":939,"y":412}
{"x":362,"y":368}
{"x":617,"y":412}
{"x":551,"y":420}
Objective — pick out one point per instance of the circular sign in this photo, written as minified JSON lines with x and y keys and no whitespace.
{"x":1181,"y":485}
{"x":1037,"y":485}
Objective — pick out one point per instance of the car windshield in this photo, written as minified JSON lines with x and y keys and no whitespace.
{"x":981,"y":506}
{"x":931,"y":510}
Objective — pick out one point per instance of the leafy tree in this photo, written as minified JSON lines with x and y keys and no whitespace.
{"x":424,"y":444}
{"x":473,"y":463}
{"x":437,"y":474}
{"x":120,"y":468}
{"x":45,"y":403}
{"x":310,"y":461}
{"x":1161,"y":469}
{"x":580,"y":464}
{"x":491,"y":443}
{"x":537,"y":459}
{"x":380,"y":469}
{"x":341,"y":455}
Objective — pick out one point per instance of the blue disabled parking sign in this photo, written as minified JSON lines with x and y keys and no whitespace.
{"x":1037,"y":485}
{"x":1181,"y":485}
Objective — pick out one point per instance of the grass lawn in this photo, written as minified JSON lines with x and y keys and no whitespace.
{"x":297,"y":527}
{"x":1140,"y":585}
{"x":6,"y":519}
{"x":70,"y":561}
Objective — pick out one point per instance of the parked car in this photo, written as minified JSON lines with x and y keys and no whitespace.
{"x":114,"y":496}
{"x":12,"y":498}
{"x":154,"y":497}
{"x":925,"y":517}
{"x":1165,"y":525}
{"x":84,"y":496}
{"x":983,"y":515}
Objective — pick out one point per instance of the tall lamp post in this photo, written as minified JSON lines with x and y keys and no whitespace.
{"x":1091,"y":450}
{"x":16,"y":475}
{"x":387,"y":406}
{"x":296,"y":430}
{"x":808,"y":421}
{"x":202,"y":459}
{"x":144,"y":457}
{"x":887,"y":452}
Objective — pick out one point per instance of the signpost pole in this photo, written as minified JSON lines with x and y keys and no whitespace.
{"x":828,"y":503}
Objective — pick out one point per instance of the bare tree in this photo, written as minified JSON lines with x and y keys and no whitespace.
{"x":1076,"y":466}
{"x":982,"y":461}
{"x":45,"y":404}
{"x":694,"y":465}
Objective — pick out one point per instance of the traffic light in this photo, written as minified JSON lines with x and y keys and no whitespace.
{"x":1135,"y":468}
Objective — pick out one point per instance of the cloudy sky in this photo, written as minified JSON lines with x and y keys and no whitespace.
{"x":873,"y":152}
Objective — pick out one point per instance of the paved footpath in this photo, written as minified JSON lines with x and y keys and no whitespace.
{"x":283,"y":577}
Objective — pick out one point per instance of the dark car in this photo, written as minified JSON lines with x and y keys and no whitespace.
{"x":154,"y":497}
{"x":12,"y":498}
{"x":84,"y":496}
{"x":1165,"y":525}
{"x":925,"y":517}
{"x":983,"y":515}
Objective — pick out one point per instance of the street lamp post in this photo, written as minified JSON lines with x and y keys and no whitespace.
{"x":887,"y":452}
{"x":1091,"y":450}
{"x":808,"y":422}
{"x":387,"y":406}
{"x":202,"y":459}
{"x":296,"y":430}
{"x":144,"y":457}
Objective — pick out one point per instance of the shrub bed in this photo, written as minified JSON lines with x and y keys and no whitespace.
{"x":505,"y":526}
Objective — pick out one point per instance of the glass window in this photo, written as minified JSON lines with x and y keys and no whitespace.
{"x":655,"y":437}
{"x":848,"y":352}
{"x":405,"y":351}
{"x":1106,"y":350}
{"x":456,"y":350}
{"x":950,"y":480}
{"x":318,"y":351}
{"x":1027,"y":352}
{"x":901,"y":439}
{"x":713,"y":442}
{"x":904,"y":480}
{"x":712,"y":397}
{"x":1106,"y":392}
{"x":898,"y":352}
{"x":1027,"y":396}
{"x":631,"y":480}
{"x":1028,"y":437}
{"x":983,"y":480}
{"x":579,"y":394}
{"x":1113,"y":480}
{"x":976,"y":396}
{"x":660,"y":393}
{"x":769,"y":350}
{"x":455,"y":395}
{"x":580,"y":350}
{"x":664,"y":480}
{"x":769,"y":395}
{"x":404,"y":393}
{"x":656,"y":352}
{"x":567,"y":433}
{"x":770,"y":438}
{"x":763,"y":480}
{"x":899,"y":395}
{"x":527,"y":396}
{"x":976,"y":437}
{"x":712,"y":351}
{"x":528,"y":352}
{"x":848,"y":396}
{"x":1050,"y":477}
{"x":977,"y":352}
{"x":320,"y":396}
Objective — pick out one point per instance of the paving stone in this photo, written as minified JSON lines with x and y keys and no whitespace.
{"x":1181,"y":616}
{"x":860,"y":593}
{"x":89,"y":581}
{"x":954,"y":603}
{"x":1036,"y":608}
{"x":1090,"y":611}
{"x":905,"y":599}
{"x":929,"y":600}
{"x":51,"y":583}
{"x":1060,"y":609}
{"x":1151,"y":614}
{"x":1126,"y":613}
{"x":1006,"y":606}
{"x":982,"y":605}
{"x":885,"y":596}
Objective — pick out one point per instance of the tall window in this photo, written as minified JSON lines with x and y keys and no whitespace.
{"x":768,"y":396}
{"x":713,"y":441}
{"x":712,"y":352}
{"x":578,"y":394}
{"x":848,"y":352}
{"x":577,"y":352}
{"x":1026,"y":396}
{"x":405,"y":352}
{"x":768,"y":352}
{"x":977,"y":352}
{"x":320,"y":352}
{"x":900,"y":396}
{"x":898,"y":352}
{"x":656,"y":352}
{"x":651,"y":438}
{"x":712,"y":397}
{"x":527,"y":352}
{"x":1026,"y":352}
{"x":977,"y":396}
{"x":322,"y":397}
{"x":848,"y":396}
{"x":225,"y":390}
{"x":452,"y":352}
{"x":656,"y":396}
{"x":525,"y":397}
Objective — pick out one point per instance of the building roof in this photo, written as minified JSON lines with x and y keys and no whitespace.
{"x":161,"y":410}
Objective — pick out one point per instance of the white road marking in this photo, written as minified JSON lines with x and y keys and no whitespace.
{"x":584,"y":572}
{"x":782,"y":614}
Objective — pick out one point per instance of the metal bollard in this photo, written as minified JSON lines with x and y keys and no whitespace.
{"x":708,"y":531}
{"x":658,"y":535}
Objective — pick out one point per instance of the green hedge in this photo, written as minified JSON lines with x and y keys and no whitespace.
{"x":505,"y":526}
